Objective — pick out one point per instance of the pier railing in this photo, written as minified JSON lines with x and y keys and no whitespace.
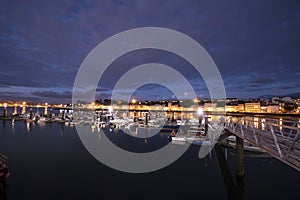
{"x":279,"y":138}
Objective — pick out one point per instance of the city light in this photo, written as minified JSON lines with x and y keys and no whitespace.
{"x":200,"y":111}
{"x":110,"y":109}
{"x":133,"y":101}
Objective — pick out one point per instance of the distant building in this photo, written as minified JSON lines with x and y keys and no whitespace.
{"x":252,"y":107}
{"x":287,"y":99}
{"x":275,"y":100}
{"x":241,"y":107}
{"x":231,"y":108}
{"x":210,"y":107}
{"x":272,"y":108}
{"x":231,"y":100}
{"x":263,"y":108}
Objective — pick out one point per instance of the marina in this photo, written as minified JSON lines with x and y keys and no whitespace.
{"x":60,"y":150}
{"x":243,"y":146}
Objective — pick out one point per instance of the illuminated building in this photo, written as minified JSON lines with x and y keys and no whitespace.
{"x":241,"y":107}
{"x":231,"y":108}
{"x":252,"y":107}
{"x":272,"y":108}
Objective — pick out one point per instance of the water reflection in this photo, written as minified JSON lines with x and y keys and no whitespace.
{"x":231,"y":189}
{"x":3,"y":123}
{"x":263,"y":125}
{"x":3,"y":190}
{"x":280,"y":124}
{"x":62,"y":126}
{"x":13,"y":126}
{"x":255,"y":122}
{"x":234,"y":186}
{"x":28,"y":127}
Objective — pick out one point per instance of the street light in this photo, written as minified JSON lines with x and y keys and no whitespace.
{"x":200,"y":111}
{"x":133,"y":101}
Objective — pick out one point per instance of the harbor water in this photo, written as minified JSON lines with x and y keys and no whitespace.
{"x":48,"y":161}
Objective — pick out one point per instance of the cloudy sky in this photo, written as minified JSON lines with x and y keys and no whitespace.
{"x":255,"y":44}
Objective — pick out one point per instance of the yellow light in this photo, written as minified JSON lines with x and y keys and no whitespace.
{"x":133,"y":101}
{"x":46,"y":104}
{"x":5,"y":105}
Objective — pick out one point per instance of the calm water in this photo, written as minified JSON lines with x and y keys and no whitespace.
{"x":49,"y":162}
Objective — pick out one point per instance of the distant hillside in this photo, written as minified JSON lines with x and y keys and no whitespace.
{"x":268,"y":96}
{"x":294,"y":95}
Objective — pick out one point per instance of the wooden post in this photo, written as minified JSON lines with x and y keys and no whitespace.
{"x":225,"y":170}
{"x":50,"y":114}
{"x":134,"y":116}
{"x":240,"y":156}
{"x":30,"y":114}
{"x":63,"y":114}
{"x":240,"y":167}
{"x":200,"y":120}
{"x":146,"y":120}
{"x":4,"y":112}
{"x":206,"y":124}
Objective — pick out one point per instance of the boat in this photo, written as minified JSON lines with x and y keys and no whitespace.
{"x":179,"y":136}
{"x":181,"y":122}
{"x":196,"y":130}
{"x":202,"y":142}
{"x":230,"y":141}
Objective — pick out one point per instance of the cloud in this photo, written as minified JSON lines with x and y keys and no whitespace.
{"x":53,"y":94}
{"x":262,"y":80}
{"x":44,"y":49}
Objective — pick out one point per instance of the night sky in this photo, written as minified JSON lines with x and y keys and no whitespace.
{"x":255,"y":44}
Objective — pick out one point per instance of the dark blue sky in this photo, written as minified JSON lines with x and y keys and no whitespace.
{"x":256,"y":45}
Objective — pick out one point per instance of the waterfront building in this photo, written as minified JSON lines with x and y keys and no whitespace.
{"x":287,"y":99}
{"x":231,"y":108}
{"x":241,"y":107}
{"x":253,"y":107}
{"x":210,"y":107}
{"x":272,"y":108}
{"x":231,"y":100}
{"x":275,"y":100}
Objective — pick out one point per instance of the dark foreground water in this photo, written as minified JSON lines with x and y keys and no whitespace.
{"x":49,"y":162}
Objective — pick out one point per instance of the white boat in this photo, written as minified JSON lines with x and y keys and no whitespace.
{"x":195,"y":130}
{"x":179,"y":138}
{"x":180,"y":122}
{"x":231,"y":142}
